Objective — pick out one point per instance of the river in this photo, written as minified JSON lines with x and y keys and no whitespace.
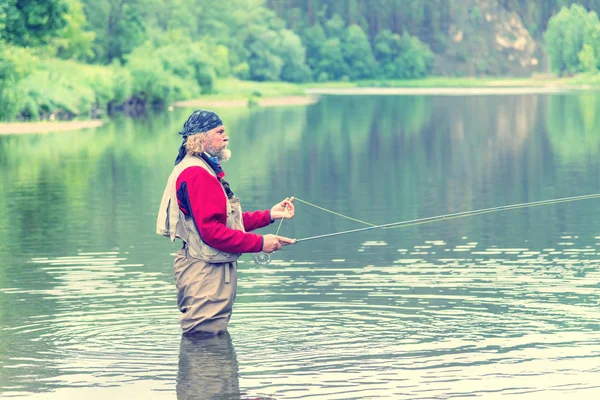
{"x":495,"y":305}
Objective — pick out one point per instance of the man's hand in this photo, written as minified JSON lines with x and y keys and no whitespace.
{"x":273,"y":243}
{"x":284,"y":209}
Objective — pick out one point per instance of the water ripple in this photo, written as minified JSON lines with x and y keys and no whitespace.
{"x":487,"y":322}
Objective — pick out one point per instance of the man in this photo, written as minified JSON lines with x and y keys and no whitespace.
{"x":199,"y":207}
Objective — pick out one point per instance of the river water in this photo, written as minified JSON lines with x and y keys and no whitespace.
{"x":498,"y":305}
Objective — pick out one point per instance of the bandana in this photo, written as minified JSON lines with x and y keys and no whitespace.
{"x":199,"y":122}
{"x":214,"y":164}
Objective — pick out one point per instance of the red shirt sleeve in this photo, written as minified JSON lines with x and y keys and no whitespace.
{"x":208,"y":205}
{"x":256,"y":219}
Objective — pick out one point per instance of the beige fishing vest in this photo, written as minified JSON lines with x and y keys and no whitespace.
{"x":172,"y":222}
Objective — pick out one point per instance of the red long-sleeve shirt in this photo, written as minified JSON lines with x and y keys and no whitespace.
{"x":201,"y":194}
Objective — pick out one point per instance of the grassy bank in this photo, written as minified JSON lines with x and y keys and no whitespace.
{"x":582,"y":80}
{"x":233,"y":89}
{"x":534,"y":81}
{"x":232,"y":92}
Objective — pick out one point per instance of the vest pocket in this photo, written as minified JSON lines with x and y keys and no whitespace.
{"x":198,"y":249}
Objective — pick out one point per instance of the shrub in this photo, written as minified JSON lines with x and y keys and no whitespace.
{"x":567,"y":34}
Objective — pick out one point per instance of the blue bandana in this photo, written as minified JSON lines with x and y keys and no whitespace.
{"x":199,"y":122}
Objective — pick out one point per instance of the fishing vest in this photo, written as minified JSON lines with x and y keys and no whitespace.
{"x":173,"y":223}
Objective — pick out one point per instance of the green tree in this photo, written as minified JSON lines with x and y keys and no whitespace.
{"x":15,"y":64}
{"x":314,"y":37}
{"x":332,"y":65}
{"x":566,"y":35}
{"x":358,"y":54}
{"x":263,"y":58}
{"x":32,"y":22}
{"x":163,"y":16}
{"x":587,"y":59}
{"x":251,"y":34}
{"x":183,"y":61}
{"x":73,"y":41}
{"x":118,"y":25}
{"x":385,"y":49}
{"x":335,"y":27}
{"x":293,"y":55}
{"x":155,"y":84}
{"x":415,"y":59}
{"x":592,"y":37}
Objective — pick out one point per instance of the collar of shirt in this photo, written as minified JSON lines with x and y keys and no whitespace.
{"x":214,"y":164}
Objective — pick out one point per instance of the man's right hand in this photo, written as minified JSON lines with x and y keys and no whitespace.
{"x":273,"y":243}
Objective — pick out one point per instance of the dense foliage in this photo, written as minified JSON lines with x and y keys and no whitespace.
{"x":155,"y":51}
{"x":573,"y":40}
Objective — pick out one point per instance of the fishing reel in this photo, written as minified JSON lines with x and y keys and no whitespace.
{"x":262,"y":258}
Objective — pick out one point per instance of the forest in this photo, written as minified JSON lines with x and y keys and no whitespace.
{"x":66,"y":58}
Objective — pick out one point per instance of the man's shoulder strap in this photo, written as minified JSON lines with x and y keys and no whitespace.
{"x":193,"y":161}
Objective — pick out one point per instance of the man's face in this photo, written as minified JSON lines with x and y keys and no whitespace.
{"x":217,"y":143}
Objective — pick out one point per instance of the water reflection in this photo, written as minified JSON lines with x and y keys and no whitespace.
{"x":572,"y":126}
{"x":208,"y":368}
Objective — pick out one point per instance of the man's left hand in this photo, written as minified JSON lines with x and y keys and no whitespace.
{"x":284,"y":209}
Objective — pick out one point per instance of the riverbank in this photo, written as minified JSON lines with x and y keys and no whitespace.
{"x":580,"y":81}
{"x":11,"y":128}
{"x":235,"y":93}
{"x":260,"y":102}
{"x":424,"y":91}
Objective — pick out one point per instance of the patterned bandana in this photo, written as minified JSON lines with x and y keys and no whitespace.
{"x":214,"y":164}
{"x":199,"y":122}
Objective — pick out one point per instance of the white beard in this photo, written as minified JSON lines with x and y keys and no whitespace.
{"x":222,"y":154}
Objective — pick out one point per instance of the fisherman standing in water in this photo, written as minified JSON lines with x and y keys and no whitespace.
{"x":199,"y":208}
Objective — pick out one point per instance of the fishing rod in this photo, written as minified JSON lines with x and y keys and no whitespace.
{"x":264,"y":258}
{"x":462,"y":214}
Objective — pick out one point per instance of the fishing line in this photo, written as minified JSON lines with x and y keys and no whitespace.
{"x":263,"y":258}
{"x":421,"y":221}
{"x":333,"y":212}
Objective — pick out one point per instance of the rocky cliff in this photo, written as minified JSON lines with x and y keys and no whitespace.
{"x":486,"y":39}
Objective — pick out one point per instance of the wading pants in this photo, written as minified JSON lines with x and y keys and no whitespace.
{"x":205,"y":293}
